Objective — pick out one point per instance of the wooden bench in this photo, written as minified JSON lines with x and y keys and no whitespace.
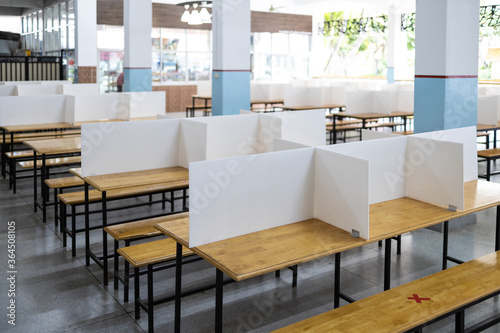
{"x":59,"y":185}
{"x":489,"y":155}
{"x":147,"y":255}
{"x":27,"y":165}
{"x":412,"y":306}
{"x":133,"y":231}
{"x":358,"y":126}
{"x":75,"y":199}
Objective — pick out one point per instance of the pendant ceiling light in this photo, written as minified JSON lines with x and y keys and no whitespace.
{"x":185,"y":16}
{"x":195,"y":18}
{"x":198,"y":15}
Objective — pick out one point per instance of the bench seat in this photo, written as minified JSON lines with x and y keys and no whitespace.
{"x":412,"y":305}
{"x":489,"y":155}
{"x":51,"y":162}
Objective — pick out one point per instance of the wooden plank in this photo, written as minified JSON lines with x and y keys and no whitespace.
{"x":138,"y":178}
{"x":394,"y":311}
{"x":36,"y":127}
{"x":64,"y":182}
{"x":50,"y":162}
{"x":151,"y":252}
{"x":178,"y":229}
{"x":489,"y":152}
{"x":142,"y":228}
{"x":56,"y":146}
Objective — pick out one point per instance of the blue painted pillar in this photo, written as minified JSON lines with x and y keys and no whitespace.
{"x":446,"y":64}
{"x":231,"y":57}
{"x":137,"y":21}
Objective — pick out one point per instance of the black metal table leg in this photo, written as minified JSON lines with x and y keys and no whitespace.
{"x":387,"y":264}
{"x":336,"y":287}
{"x":219,"y":281}
{"x":460,"y":321}
{"x":87,"y":225}
{"x":35,"y":185}
{"x":334,"y":131}
{"x":497,"y":231}
{"x":178,"y":287}
{"x":43,"y":189}
{"x":445,"y":245}
{"x":104,"y":239}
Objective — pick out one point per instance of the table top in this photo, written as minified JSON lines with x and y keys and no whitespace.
{"x":276,"y":248}
{"x":299,"y":108}
{"x":137,"y":178}
{"x":373,"y":115}
{"x":80,"y":123}
{"x":485,"y":127}
{"x":36,"y":127}
{"x":143,"y":118}
{"x":56,"y":146}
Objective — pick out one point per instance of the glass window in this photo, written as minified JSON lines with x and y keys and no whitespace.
{"x":279,"y":68}
{"x":280,"y":43}
{"x":173,"y":39}
{"x":29,"y":23}
{"x":156,"y":66}
{"x":262,"y":42}
{"x":299,"y":67}
{"x":48,"y":19}
{"x":261,"y":67}
{"x":40,"y":21}
{"x":300,"y":43}
{"x":174,"y":66}
{"x":64,"y":14}
{"x":71,"y":37}
{"x":198,"y":41}
{"x":156,"y":39}
{"x":199,"y":66}
{"x":55,"y":16}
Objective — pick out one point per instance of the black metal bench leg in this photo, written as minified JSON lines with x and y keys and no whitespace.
{"x":460,"y":321}
{"x":137,"y":293}
{"x":488,"y":169}
{"x":163,"y":198}
{"x":398,"y":251}
{"x":151,"y":327}
{"x":294,"y":281}
{"x":172,"y":205}
{"x":73,"y":231}
{"x":62,"y":208}
{"x":116,"y":264}
{"x":56,"y":220}
{"x":126,"y":278}
{"x":277,"y":273}
{"x":445,"y":245}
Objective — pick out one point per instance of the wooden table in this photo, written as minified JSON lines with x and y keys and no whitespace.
{"x":16,"y":129}
{"x":305,"y":107}
{"x":487,"y":128}
{"x":364,"y":117}
{"x":269,"y":250}
{"x":104,"y":183}
{"x":53,"y":147}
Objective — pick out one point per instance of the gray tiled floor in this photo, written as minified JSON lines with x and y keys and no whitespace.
{"x":58,"y":293}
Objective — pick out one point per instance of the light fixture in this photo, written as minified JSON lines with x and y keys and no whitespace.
{"x":185,"y":16}
{"x":195,"y":18}
{"x":205,"y":15}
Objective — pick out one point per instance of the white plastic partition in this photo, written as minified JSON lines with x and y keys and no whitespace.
{"x":488,"y":110}
{"x":467,"y":137}
{"x":78,"y":89}
{"x":8,"y":90}
{"x":434,"y":172}
{"x":240,"y":195}
{"x":204,"y":88}
{"x":341,"y":191}
{"x":27,"y":110}
{"x":281,"y":145}
{"x":129,"y":146}
{"x":147,"y":103}
{"x":37,"y":90}
{"x":99,"y":106}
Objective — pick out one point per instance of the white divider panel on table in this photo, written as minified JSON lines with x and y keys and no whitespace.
{"x":26,"y":110}
{"x":146,"y":103}
{"x":235,"y":196}
{"x":204,"y":88}
{"x":9,"y":90}
{"x":375,"y":135}
{"x":468,"y":137}
{"x":37,"y":90}
{"x":246,"y":112}
{"x":434,"y":171}
{"x":107,"y":147}
{"x":488,"y":110}
{"x":341,"y":191}
{"x":383,"y":101}
{"x":306,"y":127}
{"x":50,"y":82}
{"x":78,"y":89}
{"x":282,"y":144}
{"x":296,"y":96}
{"x":405,"y":100}
{"x":358,"y":101}
{"x":99,"y":106}
{"x":387,"y":162}
{"x":166,"y":116}
{"x":193,"y":142}
{"x":488,"y":89}
{"x":277,"y":91}
{"x":259,"y":91}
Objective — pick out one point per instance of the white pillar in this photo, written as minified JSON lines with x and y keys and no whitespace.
{"x":231,"y":56}
{"x":138,"y":22}
{"x":446,"y":64}
{"x":393,"y":33}
{"x":86,"y":40}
